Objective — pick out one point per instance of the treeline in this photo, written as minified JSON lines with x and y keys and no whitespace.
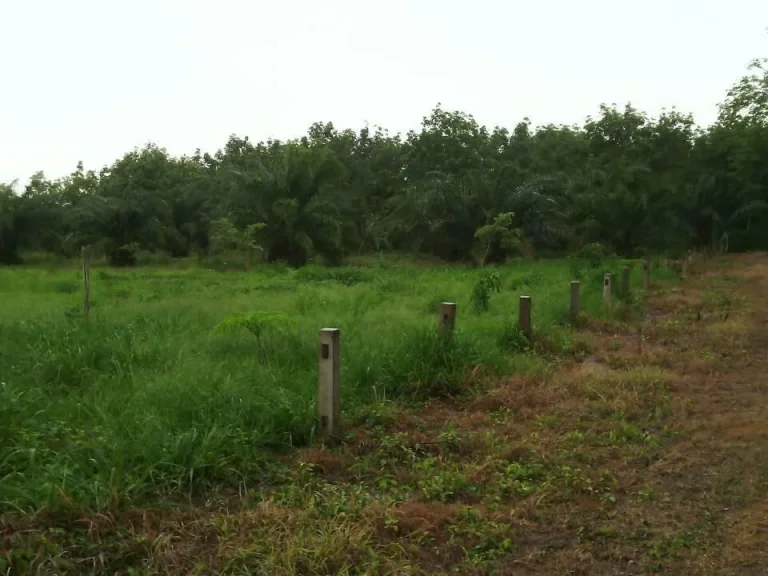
{"x":453,"y":189}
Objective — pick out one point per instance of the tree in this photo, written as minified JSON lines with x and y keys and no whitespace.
{"x":9,"y":224}
{"x":747,"y":100}
{"x":295,"y":193}
{"x":499,"y":238}
{"x":225,"y":236}
{"x":131,"y":207}
{"x":628,"y":181}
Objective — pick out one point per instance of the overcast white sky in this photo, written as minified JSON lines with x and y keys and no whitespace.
{"x":91,"y":79}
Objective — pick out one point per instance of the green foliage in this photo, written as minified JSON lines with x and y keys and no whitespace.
{"x":125,"y":255}
{"x":481,"y":293}
{"x":427,"y":363}
{"x":257,"y":323}
{"x":453,"y":189}
{"x":522,"y":478}
{"x":589,"y":257}
{"x":165,"y":392}
{"x":345,"y":276}
{"x":225,"y":236}
{"x":499,"y":235}
{"x":9,"y":223}
{"x":442,"y":483}
{"x":512,"y":339}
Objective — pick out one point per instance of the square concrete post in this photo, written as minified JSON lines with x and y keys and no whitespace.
{"x":607,"y":288}
{"x":575,"y":299}
{"x":525,"y":319}
{"x":447,"y":319}
{"x":328,"y":401}
{"x":646,"y":275}
{"x":625,"y":281}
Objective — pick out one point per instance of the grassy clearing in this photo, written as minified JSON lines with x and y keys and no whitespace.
{"x":154,"y":398}
{"x":601,"y":450}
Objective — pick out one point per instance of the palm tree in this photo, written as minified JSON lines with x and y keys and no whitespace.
{"x":296,"y":194}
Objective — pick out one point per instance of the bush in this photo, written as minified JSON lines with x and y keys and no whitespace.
{"x":589,"y":257}
{"x":512,"y":339}
{"x":481,"y":294}
{"x":124,"y":256}
{"x":345,"y":276}
{"x":425,"y":363}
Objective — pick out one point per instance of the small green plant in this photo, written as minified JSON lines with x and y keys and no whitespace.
{"x":512,"y":339}
{"x":481,"y":294}
{"x":256,"y":322}
{"x":442,"y":482}
{"x":493,"y":539}
{"x":522,"y":478}
{"x":450,"y":437}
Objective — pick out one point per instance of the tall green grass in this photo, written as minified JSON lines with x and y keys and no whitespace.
{"x":147,"y":400}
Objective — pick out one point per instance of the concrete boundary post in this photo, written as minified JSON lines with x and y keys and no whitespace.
{"x":625,"y":281}
{"x":646,"y":275}
{"x":328,"y":401}
{"x":447,"y":320}
{"x":525,"y":319}
{"x":607,"y":288}
{"x":575,"y":299}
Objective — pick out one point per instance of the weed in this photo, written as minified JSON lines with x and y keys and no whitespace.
{"x":257,"y":323}
{"x":512,"y":339}
{"x":484,"y":288}
{"x":522,"y":478}
{"x":440,"y":481}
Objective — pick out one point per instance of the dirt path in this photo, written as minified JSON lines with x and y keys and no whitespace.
{"x":638,"y":453}
{"x":650,"y":455}
{"x":717,"y":472}
{"x":699,"y":504}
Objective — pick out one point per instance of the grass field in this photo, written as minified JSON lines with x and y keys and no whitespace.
{"x":146,"y":401}
{"x":164,"y":436}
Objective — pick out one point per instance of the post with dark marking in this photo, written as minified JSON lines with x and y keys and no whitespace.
{"x":625,"y":281}
{"x":328,"y":401}
{"x":525,"y":319}
{"x":607,"y":288}
{"x":575,"y":299}
{"x":646,"y":275}
{"x":447,"y":320}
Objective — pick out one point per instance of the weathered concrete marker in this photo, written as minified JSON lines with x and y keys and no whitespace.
{"x":526,"y":322}
{"x":328,"y":401}
{"x":625,"y":281}
{"x":447,"y":319}
{"x":607,"y":288}
{"x":646,"y":275}
{"x":575,"y":299}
